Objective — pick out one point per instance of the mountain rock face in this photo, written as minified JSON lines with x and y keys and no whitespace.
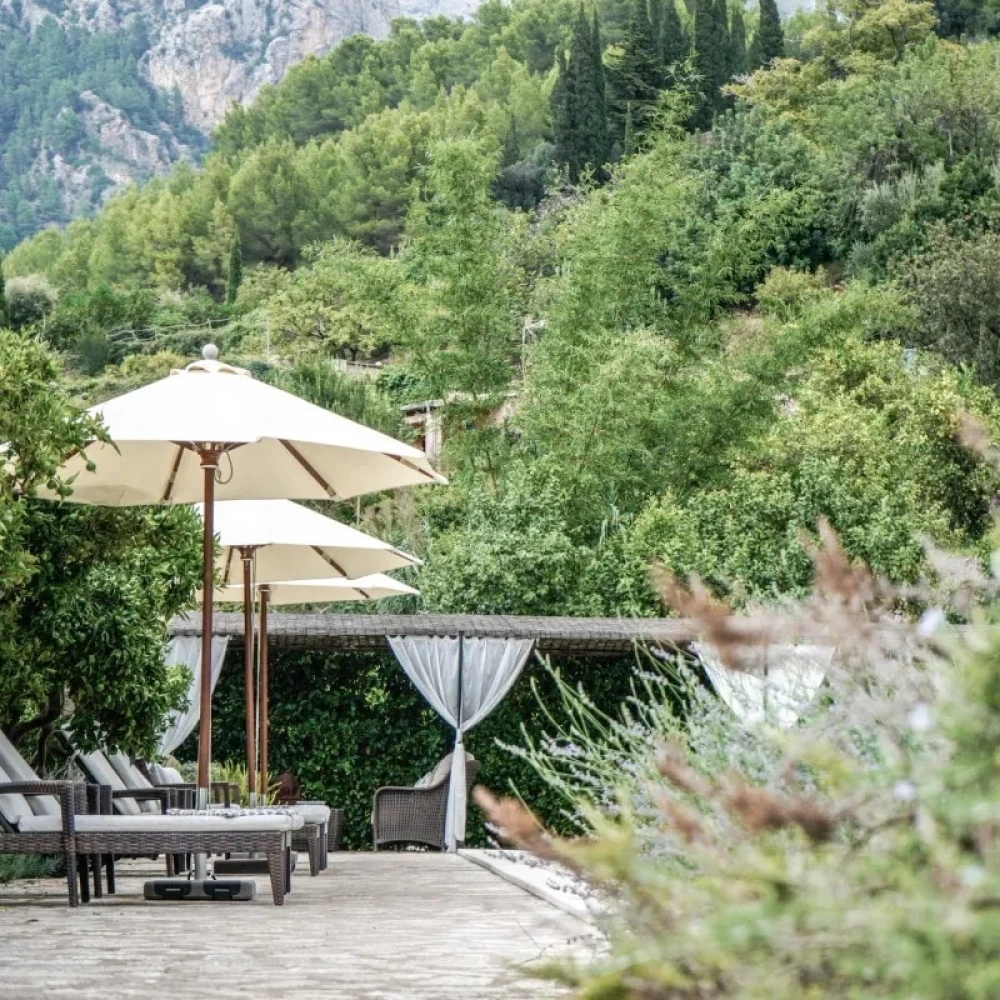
{"x":122,"y":154}
{"x":221,"y":52}
{"x":224,"y":52}
{"x":102,"y":93}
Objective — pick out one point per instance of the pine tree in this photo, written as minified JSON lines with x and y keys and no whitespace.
{"x":769,"y":41}
{"x":705,"y":63}
{"x":673,"y":41}
{"x":235,"y":277}
{"x":638,"y":72}
{"x":738,"y":44}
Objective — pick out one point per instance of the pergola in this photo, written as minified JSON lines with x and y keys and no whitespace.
{"x":440,"y":653}
{"x":370,"y":632}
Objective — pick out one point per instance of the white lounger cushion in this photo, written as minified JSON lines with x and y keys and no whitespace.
{"x":145,"y":823}
{"x":99,"y":767}
{"x":12,"y":805}
{"x":17,"y":769}
{"x":312,"y":812}
{"x":133,"y":779}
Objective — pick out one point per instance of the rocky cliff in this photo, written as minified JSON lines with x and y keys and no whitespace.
{"x":220,"y":52}
{"x":105,"y":92}
{"x":224,"y":52}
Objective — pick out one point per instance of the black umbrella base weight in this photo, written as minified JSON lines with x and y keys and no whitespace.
{"x":193,"y":891}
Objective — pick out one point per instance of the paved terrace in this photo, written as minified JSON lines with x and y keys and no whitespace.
{"x":371,"y":927}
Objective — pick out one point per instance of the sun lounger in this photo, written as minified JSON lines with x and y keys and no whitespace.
{"x":46,"y":817}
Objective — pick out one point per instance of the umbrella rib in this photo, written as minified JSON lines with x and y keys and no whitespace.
{"x":229,"y":563}
{"x":173,"y":473}
{"x":329,"y":559}
{"x":413,"y":468}
{"x":297,"y":455}
{"x":412,"y":560}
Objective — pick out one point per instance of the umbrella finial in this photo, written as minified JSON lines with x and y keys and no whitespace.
{"x":210,"y":352}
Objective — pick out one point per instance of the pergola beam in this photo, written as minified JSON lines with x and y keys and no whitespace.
{"x":368,"y":632}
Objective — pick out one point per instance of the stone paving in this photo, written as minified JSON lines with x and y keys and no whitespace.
{"x":382,"y":926}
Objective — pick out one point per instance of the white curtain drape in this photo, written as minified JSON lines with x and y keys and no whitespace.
{"x":186,"y":651}
{"x":488,"y":668}
{"x":778,"y":691}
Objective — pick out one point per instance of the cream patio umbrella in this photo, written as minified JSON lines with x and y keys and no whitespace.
{"x":374,"y":587}
{"x":322,"y":591}
{"x":213,"y":431}
{"x":271,"y":540}
{"x":292,"y":542}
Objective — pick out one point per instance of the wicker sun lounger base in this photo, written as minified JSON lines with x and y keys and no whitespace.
{"x":107,"y":836}
{"x":60,"y":842}
{"x":276,"y":847}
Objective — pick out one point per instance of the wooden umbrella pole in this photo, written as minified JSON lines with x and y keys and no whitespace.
{"x":246,"y":554}
{"x":265,"y":593}
{"x":210,"y":464}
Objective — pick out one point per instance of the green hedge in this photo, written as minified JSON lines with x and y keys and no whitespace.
{"x":345,"y":724}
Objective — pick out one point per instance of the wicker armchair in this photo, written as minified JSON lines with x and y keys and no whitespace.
{"x":402,"y":814}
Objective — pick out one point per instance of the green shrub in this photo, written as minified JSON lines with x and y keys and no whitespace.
{"x":851,"y":855}
{"x":953,"y":287}
{"x":346,"y":723}
{"x":787,"y":293}
{"x":29,"y":300}
{"x":18,"y":866}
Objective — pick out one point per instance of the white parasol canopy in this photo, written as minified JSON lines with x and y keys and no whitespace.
{"x":292,"y":542}
{"x":274,"y":445}
{"x":781,"y":688}
{"x":324,"y":591}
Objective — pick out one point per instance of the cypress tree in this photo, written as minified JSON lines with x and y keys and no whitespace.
{"x":511,"y":144}
{"x":769,"y":41}
{"x":3,"y":295}
{"x":586,"y":74}
{"x":599,"y":88}
{"x":673,"y":42}
{"x":235,"y":277}
{"x":559,"y":102}
{"x":655,"y":11}
{"x":738,"y":44}
{"x":704,"y":56}
{"x":579,"y":102}
{"x":638,"y":71}
{"x":720,"y":28}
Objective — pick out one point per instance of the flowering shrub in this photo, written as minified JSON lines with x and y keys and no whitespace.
{"x":853,"y":854}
